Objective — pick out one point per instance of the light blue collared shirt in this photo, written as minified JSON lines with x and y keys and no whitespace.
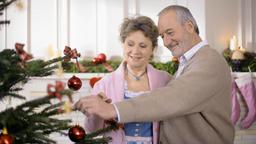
{"x":188,"y":55}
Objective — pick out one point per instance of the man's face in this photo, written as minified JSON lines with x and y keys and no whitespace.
{"x":174,"y":34}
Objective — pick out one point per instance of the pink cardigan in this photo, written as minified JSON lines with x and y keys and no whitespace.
{"x":113,"y":86}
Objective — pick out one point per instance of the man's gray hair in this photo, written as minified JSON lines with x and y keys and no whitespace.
{"x":183,"y":15}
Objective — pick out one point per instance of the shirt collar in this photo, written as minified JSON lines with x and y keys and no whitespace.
{"x":190,"y":53}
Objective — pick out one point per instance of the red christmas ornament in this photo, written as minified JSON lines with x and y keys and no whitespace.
{"x":76,"y":133}
{"x":74,"y":83}
{"x":6,"y":139}
{"x":102,"y":57}
{"x":96,"y":61}
{"x":93,"y":80}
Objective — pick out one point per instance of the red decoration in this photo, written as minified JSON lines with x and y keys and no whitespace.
{"x":55,"y":90}
{"x":93,"y":80}
{"x":76,"y":133}
{"x":108,"y":67}
{"x":102,"y":57}
{"x":74,"y":83}
{"x":71,"y":54}
{"x":96,"y":61}
{"x":24,"y":56}
{"x":6,"y":139}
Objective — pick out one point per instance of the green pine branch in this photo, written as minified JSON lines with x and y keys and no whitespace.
{"x":5,"y":3}
{"x":101,"y":131}
{"x":34,"y":120}
{"x":91,"y":138}
{"x":103,"y":140}
{"x":31,"y":121}
{"x":13,"y":71}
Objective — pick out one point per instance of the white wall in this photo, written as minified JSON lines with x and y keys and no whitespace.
{"x":43,"y":27}
{"x":92,"y":26}
{"x":17,"y":30}
{"x":222,"y":22}
{"x":248,"y":24}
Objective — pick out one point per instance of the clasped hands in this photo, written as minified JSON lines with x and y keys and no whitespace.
{"x":98,"y":105}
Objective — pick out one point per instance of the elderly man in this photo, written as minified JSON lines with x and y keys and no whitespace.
{"x":195,"y":107}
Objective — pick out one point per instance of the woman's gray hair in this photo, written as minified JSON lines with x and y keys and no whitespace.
{"x":183,"y":15}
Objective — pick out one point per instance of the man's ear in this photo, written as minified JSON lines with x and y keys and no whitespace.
{"x":190,"y":27}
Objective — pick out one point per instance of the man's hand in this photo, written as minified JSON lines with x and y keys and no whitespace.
{"x":98,"y":105}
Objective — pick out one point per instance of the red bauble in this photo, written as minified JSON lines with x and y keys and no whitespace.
{"x":93,"y":80}
{"x":6,"y":139}
{"x":96,"y":61}
{"x":102,"y":57}
{"x":76,"y":133}
{"x":74,"y":83}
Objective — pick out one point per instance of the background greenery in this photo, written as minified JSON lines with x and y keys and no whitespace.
{"x":170,"y":67}
{"x":70,"y":67}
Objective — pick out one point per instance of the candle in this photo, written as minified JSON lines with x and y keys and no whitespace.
{"x":233,"y":43}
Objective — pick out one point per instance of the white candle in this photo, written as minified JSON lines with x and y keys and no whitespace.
{"x":233,"y":43}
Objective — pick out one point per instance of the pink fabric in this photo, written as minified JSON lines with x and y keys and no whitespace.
{"x":235,"y":104}
{"x":247,"y":89}
{"x":113,"y":86}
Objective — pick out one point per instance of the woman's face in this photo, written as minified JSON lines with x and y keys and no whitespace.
{"x":137,"y":49}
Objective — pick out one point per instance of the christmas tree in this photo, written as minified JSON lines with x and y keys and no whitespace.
{"x":32,"y":121}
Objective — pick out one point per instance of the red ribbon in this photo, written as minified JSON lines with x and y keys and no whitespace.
{"x":24,"y":56}
{"x":108,"y":67}
{"x":72,"y":54}
{"x":55,"y":90}
{"x":81,"y":68}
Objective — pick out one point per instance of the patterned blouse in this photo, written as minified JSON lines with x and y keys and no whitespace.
{"x":137,"y":132}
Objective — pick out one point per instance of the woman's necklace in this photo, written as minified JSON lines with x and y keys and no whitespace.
{"x":137,"y":78}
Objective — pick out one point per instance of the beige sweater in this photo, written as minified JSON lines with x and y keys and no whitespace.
{"x":194,"y":108}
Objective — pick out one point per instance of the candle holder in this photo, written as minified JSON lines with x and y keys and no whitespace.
{"x":237,"y":65}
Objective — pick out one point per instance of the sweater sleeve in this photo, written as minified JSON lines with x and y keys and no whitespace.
{"x":189,"y":93}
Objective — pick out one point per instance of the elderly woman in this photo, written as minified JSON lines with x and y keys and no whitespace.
{"x":133,"y":77}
